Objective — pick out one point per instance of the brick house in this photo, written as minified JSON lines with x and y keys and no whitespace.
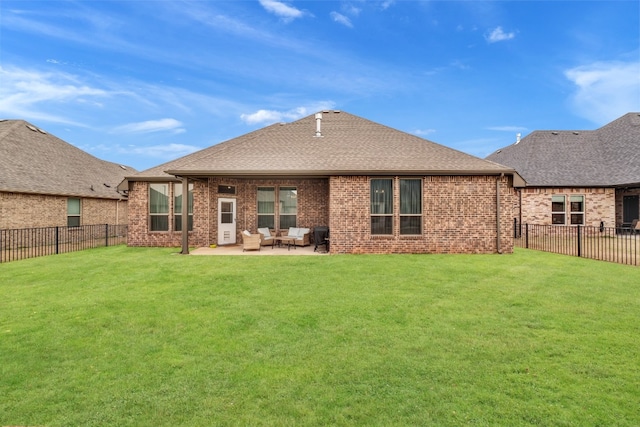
{"x":379,"y":190}
{"x":46,"y":182}
{"x":578,"y":177}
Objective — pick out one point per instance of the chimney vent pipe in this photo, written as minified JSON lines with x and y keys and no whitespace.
{"x":318,"y":124}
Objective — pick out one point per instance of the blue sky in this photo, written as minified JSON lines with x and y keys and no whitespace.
{"x":144,"y":82}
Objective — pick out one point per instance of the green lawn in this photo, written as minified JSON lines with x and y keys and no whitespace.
{"x":145,"y":337}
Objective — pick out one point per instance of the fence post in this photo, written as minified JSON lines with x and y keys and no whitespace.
{"x":526,"y":235}
{"x":579,"y":240}
{"x":106,"y":234}
{"x":57,"y":240}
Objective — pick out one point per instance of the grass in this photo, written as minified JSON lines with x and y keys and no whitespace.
{"x":145,"y":337}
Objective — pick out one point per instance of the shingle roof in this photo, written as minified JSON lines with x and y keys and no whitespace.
{"x":34,"y":161}
{"x":608,"y":156}
{"x":348,"y":145}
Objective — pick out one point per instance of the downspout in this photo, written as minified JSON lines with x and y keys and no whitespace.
{"x":498,"y":242}
{"x":185,"y":216}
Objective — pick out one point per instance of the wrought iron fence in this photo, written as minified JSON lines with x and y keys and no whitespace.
{"x":17,"y":244}
{"x":613,"y":244}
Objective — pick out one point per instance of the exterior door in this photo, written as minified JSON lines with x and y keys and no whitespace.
{"x":630,"y":208}
{"x":226,"y":221}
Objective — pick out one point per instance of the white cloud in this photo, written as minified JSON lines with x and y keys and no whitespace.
{"x":25,"y":94}
{"x":341,"y":19}
{"x":424,"y":132}
{"x":508,"y":128}
{"x":151,"y":126}
{"x":498,"y":35}
{"x":605,"y":90}
{"x":281,"y":9}
{"x":272,"y":116}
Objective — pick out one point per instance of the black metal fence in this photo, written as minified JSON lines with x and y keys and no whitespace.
{"x":613,"y":244}
{"x":17,"y":244}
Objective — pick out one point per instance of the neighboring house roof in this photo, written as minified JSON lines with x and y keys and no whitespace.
{"x":345,"y":145}
{"x":605,"y":157}
{"x":34,"y":161}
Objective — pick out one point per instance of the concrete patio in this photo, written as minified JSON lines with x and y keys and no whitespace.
{"x":264,"y":250}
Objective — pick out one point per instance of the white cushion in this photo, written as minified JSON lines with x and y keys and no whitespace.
{"x":246,"y":233}
{"x":303,"y":231}
{"x":265,"y":231}
{"x":293,"y":232}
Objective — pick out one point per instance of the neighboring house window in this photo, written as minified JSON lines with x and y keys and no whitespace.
{"x":577,"y":210}
{"x":73,"y":212}
{"x":177,"y":207}
{"x":266,"y":207}
{"x":288,"y":206}
{"x":159,"y":207}
{"x":381,"y":206}
{"x":558,"y":211}
{"x":410,"y":206}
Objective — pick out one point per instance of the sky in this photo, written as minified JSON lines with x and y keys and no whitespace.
{"x":143,"y":82}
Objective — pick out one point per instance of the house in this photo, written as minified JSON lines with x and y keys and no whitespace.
{"x":584,"y":177}
{"x":47,"y":182}
{"x":379,"y":190}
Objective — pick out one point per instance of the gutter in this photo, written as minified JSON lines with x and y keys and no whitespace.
{"x":498,"y":212}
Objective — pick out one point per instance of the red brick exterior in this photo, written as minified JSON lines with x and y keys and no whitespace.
{"x":459,"y":214}
{"x":600,"y":205}
{"x":19,"y":210}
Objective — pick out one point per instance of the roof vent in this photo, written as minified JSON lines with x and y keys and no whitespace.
{"x":123,"y":167}
{"x":518,"y":136}
{"x":576,"y":133}
{"x":554,"y":133}
{"x":318,"y":125}
{"x":33,"y":128}
{"x":42,"y":131}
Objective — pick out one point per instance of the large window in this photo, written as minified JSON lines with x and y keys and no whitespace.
{"x":558,"y":210}
{"x":288,"y":206}
{"x":177,"y":207}
{"x":266,"y":207}
{"x":73,"y":212}
{"x":381,"y":206}
{"x":410,"y":206}
{"x":159,"y":207}
{"x":577,"y":210}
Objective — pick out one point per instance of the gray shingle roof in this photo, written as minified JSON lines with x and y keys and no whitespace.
{"x":605,"y":157}
{"x":348,"y":145}
{"x":34,"y":161}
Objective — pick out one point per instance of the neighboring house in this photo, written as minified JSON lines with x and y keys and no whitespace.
{"x":46,"y":182}
{"x":379,"y":190}
{"x":578,"y":177}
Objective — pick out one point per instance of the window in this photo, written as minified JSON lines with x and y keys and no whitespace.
{"x":177,"y":207}
{"x":410,"y":206}
{"x":558,"y":210}
{"x":159,"y":207}
{"x":381,"y":206}
{"x":288,"y":206}
{"x":266,"y":207}
{"x":577,"y":210}
{"x":73,"y":212}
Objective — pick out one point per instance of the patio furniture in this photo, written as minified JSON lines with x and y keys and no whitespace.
{"x":250,"y":241}
{"x":321,"y":237}
{"x":267,"y":236}
{"x":285,"y":239}
{"x":301,"y":236}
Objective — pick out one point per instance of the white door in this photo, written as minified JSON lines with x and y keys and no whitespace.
{"x":226,"y":221}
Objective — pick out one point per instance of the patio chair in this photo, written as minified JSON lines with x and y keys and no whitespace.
{"x":300,"y":235}
{"x":267,"y":236}
{"x":250,"y":241}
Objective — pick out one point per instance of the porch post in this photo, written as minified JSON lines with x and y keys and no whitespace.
{"x":185,"y":216}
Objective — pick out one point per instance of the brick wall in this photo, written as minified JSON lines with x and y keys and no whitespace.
{"x":459,"y":216}
{"x":19,"y":210}
{"x":599,"y":205}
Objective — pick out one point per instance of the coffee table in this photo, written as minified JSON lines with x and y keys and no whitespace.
{"x":280,"y":240}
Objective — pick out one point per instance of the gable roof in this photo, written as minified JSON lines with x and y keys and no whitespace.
{"x":34,"y":161}
{"x":346,"y":145}
{"x":605,"y":157}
